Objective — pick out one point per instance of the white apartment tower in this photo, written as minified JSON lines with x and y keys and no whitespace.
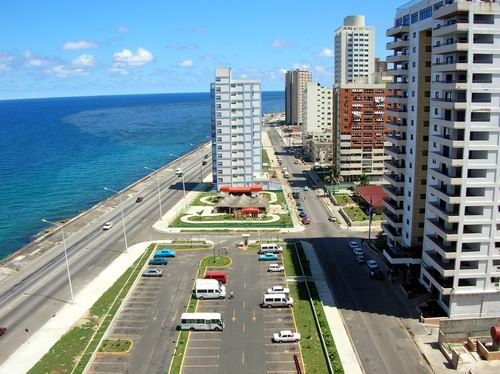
{"x":354,"y":51}
{"x":236,"y":130}
{"x":444,"y":201}
{"x":318,"y":120}
{"x":295,"y":84}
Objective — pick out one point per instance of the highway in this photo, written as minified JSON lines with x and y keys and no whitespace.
{"x":374,"y":312}
{"x":38,"y":291}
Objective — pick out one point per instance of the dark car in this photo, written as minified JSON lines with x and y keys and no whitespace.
{"x":376,"y":274}
{"x":158,"y":261}
{"x":139,"y":199}
{"x":3,"y":330}
{"x":302,"y":214}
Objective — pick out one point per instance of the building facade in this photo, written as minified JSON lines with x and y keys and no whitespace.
{"x":236,"y":130}
{"x":442,"y":210}
{"x":359,"y":131}
{"x":354,"y":51}
{"x":295,"y":84}
{"x":317,"y":139}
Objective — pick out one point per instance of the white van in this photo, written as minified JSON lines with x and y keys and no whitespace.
{"x":271,"y":248}
{"x":276,"y":300}
{"x":209,"y":289}
{"x":287,"y":174}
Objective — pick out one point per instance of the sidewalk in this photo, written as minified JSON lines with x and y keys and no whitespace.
{"x":343,"y":343}
{"x":29,"y":353}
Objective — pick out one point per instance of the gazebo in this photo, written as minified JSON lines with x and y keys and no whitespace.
{"x":233,"y":204}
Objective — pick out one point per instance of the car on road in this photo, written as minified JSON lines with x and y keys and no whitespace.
{"x":332,"y":219}
{"x":296,"y":162}
{"x":278,"y":289}
{"x":360,"y":259}
{"x":107,"y":225}
{"x":158,"y":261}
{"x":152,"y":273}
{"x":139,"y":199}
{"x":268,"y":257}
{"x":3,"y":330}
{"x":178,"y":171}
{"x":372,"y":264}
{"x":353,"y":244}
{"x":167,"y":252}
{"x":357,"y":251}
{"x":306,"y":188}
{"x":302,"y":214}
{"x":275,"y":268}
{"x":286,"y":336}
{"x":306,"y":220}
{"x":376,"y":274}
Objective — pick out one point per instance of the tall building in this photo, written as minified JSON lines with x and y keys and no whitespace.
{"x":318,"y":120}
{"x":380,"y":66}
{"x":442,"y":211}
{"x":295,"y":84}
{"x":236,"y":130}
{"x":359,"y":130}
{"x":354,"y":51}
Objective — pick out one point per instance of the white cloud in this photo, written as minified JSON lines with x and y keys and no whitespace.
{"x":185,"y":47}
{"x":63,"y":71}
{"x":127,"y":58}
{"x":117,"y":71}
{"x":185,"y":64}
{"x":85,"y":61}
{"x":280,"y":43}
{"x":283,"y":71}
{"x":5,"y":61}
{"x":123,"y":29}
{"x":35,"y":61}
{"x":326,"y":52}
{"x":81,"y":44}
{"x":300,"y":66}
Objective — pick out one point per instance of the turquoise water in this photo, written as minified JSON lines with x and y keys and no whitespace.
{"x":58,"y":154}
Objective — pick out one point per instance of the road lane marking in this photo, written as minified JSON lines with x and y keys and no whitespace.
{"x":243,"y":358}
{"x":200,"y":366}
{"x":234,"y":315}
{"x":244,"y":285}
{"x":244,"y":305}
{"x":156,"y":315}
{"x":216,"y":356}
{"x":243,"y":327}
{"x":175,"y":315}
{"x":254,"y":317}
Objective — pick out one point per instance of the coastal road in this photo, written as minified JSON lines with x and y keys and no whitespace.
{"x":374,"y":312}
{"x":35,"y":294}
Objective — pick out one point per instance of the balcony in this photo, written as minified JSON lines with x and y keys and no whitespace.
{"x":450,"y":235}
{"x":445,"y":269}
{"x":448,"y":251}
{"x":397,"y":72}
{"x":400,"y":57}
{"x":397,"y":44}
{"x":449,"y":66}
{"x":447,"y":160}
{"x":451,"y":9}
{"x":450,"y":85}
{"x":453,"y":124}
{"x":452,"y":28}
{"x":444,"y":285}
{"x":392,"y":206}
{"x":393,"y":219}
{"x":396,"y":194}
{"x":397,"y":99}
{"x":403,"y":85}
{"x":438,"y":174}
{"x":396,"y":126}
{"x":391,"y":232}
{"x":394,"y":166}
{"x":447,"y":216}
{"x":461,"y":45}
{"x":402,"y":256}
{"x":450,"y":103}
{"x":394,"y":179}
{"x":397,"y":112}
{"x":397,"y":30}
{"x":395,"y":152}
{"x":443,"y":194}
{"x":396,"y":140}
{"x":448,"y":141}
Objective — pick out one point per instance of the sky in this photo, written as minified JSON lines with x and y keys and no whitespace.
{"x":61,"y":48}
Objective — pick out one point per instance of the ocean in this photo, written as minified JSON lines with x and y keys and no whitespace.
{"x":57,"y":155}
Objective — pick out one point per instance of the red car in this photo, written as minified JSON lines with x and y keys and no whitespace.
{"x":306,"y":220}
{"x":3,"y":330}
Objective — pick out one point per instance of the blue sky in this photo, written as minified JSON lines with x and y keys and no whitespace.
{"x":70,"y":48}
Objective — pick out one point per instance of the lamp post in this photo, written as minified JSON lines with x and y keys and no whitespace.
{"x":123,"y":217}
{"x":183,"y":184}
{"x":159,"y":191}
{"x":65,"y":257}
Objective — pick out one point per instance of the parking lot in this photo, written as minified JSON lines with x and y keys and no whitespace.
{"x":246,"y":344}
{"x":149,"y":318}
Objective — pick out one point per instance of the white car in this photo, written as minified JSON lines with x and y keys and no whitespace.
{"x":357,"y":251}
{"x":178,"y":171}
{"x":275,"y":268}
{"x":278,"y":289}
{"x":353,"y":244}
{"x":107,"y":225}
{"x":286,"y":336}
{"x":372,"y":264}
{"x":152,"y":273}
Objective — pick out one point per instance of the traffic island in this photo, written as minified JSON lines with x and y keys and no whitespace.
{"x":118,"y":346}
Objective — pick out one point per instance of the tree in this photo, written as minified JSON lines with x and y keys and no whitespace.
{"x":364,"y":180}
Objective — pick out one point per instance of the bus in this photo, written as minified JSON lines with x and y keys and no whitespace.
{"x":202,"y":321}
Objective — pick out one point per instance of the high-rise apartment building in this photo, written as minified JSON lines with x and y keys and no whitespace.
{"x":359,"y":130}
{"x":354,"y":51}
{"x":295,"y":84}
{"x":380,"y":66}
{"x":236,"y":130}
{"x":443,"y":206}
{"x":318,"y":120}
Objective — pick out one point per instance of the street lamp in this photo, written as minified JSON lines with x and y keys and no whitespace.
{"x":183,"y":184}
{"x":123,"y":217}
{"x":159,"y":191}
{"x":65,"y":256}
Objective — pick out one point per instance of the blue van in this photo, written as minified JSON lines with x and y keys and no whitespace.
{"x":165,"y":253}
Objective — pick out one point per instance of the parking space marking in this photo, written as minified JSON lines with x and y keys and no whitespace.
{"x":280,"y":371}
{"x":282,"y":344}
{"x":243,"y":358}
{"x":216,"y":357}
{"x":243,"y":327}
{"x":280,"y":362}
{"x":175,"y":315}
{"x":205,"y":340}
{"x":200,"y":366}
{"x":205,"y":348}
{"x":110,"y":363}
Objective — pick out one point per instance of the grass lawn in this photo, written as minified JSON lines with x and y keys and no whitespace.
{"x":186,"y":246}
{"x":213,"y":262}
{"x":356,"y":214}
{"x":291,"y":260}
{"x":198,"y":202}
{"x":310,"y":344}
{"x":280,"y":196}
{"x":265,"y":160}
{"x":120,"y":345}
{"x":74,"y":349}
{"x":284,"y":221}
{"x":344,"y":199}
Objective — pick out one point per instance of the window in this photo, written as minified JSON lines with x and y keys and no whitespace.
{"x":414,"y":17}
{"x":425,"y":13}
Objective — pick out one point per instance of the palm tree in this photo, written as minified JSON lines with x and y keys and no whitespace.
{"x":364,"y":180}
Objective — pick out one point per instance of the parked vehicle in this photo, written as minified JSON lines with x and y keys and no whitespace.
{"x":276,"y":300}
{"x":376,"y":274}
{"x":360,"y":259}
{"x":332,"y":219}
{"x":209,"y":289}
{"x":270,"y":248}
{"x":178,"y":171}
{"x":306,"y":188}
{"x":357,"y":251}
{"x":139,"y":199}
{"x":3,"y":330}
{"x":202,"y":321}
{"x":296,"y":193}
{"x":220,"y":276}
{"x":107,"y":225}
{"x":152,"y":273}
{"x":268,"y":257}
{"x":278,"y":289}
{"x":286,"y":174}
{"x":158,"y":261}
{"x":167,"y":252}
{"x":204,"y":162}
{"x":306,"y":220}
{"x":275,"y":268}
{"x":302,"y":213}
{"x":372,"y":264}
{"x":353,"y":244}
{"x":286,"y":336}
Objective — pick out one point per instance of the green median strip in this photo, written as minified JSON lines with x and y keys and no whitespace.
{"x":115,"y":346}
{"x":75,"y":348}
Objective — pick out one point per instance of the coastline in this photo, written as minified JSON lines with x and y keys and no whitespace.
{"x":50,"y":231}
